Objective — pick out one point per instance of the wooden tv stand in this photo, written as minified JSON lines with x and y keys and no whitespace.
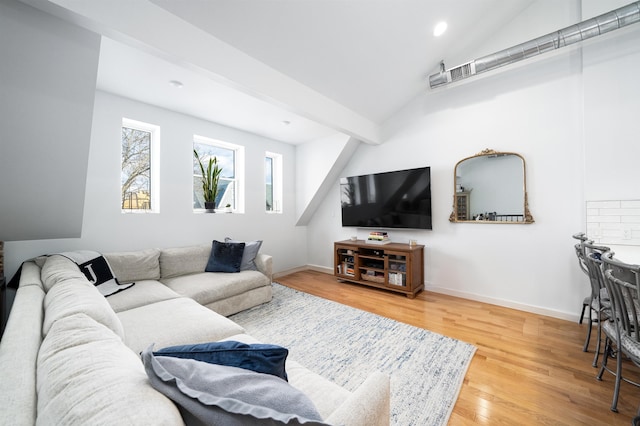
{"x":393,"y":266}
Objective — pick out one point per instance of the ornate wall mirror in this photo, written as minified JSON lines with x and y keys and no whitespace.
{"x":491,"y":187}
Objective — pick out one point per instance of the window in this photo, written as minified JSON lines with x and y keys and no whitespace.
{"x":273,"y":182}
{"x":230,"y":158}
{"x":138,"y":178}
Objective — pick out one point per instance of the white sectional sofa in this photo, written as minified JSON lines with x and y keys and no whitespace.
{"x":181,"y":271}
{"x":71,"y":356}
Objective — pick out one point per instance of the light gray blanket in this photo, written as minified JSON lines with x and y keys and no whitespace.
{"x":212,"y":394}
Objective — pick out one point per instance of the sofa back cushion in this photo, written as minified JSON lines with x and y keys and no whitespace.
{"x":86,"y":375}
{"x":78,"y":295}
{"x":134,"y":266}
{"x":183,"y":260}
{"x":57,"y":269}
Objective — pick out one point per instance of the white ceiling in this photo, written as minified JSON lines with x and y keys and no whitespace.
{"x":347,"y":64}
{"x":372,"y":56}
{"x":135,"y":74}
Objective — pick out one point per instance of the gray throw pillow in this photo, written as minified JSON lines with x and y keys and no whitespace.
{"x":211,"y":394}
{"x":251,"y":249}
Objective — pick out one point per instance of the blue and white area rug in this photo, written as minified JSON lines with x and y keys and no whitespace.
{"x":345,"y":344}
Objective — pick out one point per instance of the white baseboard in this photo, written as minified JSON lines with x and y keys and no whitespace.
{"x":507,"y":304}
{"x":317,"y":268}
{"x":574,"y":317}
{"x":323,"y":269}
{"x":289,"y":271}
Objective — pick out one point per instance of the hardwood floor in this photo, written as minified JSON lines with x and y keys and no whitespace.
{"x":528,"y":369}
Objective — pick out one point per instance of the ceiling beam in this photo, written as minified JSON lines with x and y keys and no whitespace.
{"x":147,"y":26}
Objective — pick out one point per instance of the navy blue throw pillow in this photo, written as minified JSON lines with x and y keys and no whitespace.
{"x":258,"y":357}
{"x":225,"y":257}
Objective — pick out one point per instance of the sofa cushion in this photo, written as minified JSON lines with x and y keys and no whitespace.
{"x":225,"y":257}
{"x":258,"y":357}
{"x":91,"y":378}
{"x":208,"y":287}
{"x":143,"y":293}
{"x":74,"y":296}
{"x":251,"y":249}
{"x":217,"y":394}
{"x":59,"y":268}
{"x":133,"y":266}
{"x":325,"y":394}
{"x":173,"y":322}
{"x":241,"y":302}
{"x":183,"y":260}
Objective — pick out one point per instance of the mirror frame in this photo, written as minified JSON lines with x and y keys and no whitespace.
{"x":528,"y":218}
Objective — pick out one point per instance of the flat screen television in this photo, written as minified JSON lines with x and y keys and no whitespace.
{"x":397,"y":199}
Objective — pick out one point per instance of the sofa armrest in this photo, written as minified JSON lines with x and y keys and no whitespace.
{"x":30,"y":275}
{"x":368,"y":405}
{"x":264,"y":262}
{"x":18,"y":357}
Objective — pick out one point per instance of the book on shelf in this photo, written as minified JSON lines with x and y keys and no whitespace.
{"x":378,"y":237}
{"x":378,"y":234}
{"x":345,"y":269}
{"x":396,"y":278}
{"x":379,"y":242}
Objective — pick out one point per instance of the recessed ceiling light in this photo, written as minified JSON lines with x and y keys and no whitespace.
{"x":439,"y":29}
{"x":177,"y":84}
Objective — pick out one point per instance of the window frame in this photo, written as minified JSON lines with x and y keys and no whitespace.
{"x":238,"y":180}
{"x":154,"y":164}
{"x":276,"y":182}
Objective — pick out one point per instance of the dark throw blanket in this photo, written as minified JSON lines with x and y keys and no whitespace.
{"x":97,"y":270}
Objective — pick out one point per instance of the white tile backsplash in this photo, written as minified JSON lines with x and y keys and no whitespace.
{"x":603,"y":204}
{"x":615,"y":222}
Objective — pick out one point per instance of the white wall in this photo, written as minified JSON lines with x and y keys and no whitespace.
{"x":612,"y":106}
{"x":313,"y":162}
{"x":48,"y":71}
{"x":612,"y":109}
{"x":556,"y":113}
{"x":106,"y":229}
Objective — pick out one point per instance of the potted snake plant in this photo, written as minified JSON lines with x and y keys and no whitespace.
{"x":209,"y":180}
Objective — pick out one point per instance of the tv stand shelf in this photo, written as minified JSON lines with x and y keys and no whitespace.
{"x":394,"y":266}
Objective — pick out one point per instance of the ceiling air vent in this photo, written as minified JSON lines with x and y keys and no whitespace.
{"x":463,"y":71}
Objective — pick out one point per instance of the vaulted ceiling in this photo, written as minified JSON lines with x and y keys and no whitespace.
{"x":291,"y":70}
